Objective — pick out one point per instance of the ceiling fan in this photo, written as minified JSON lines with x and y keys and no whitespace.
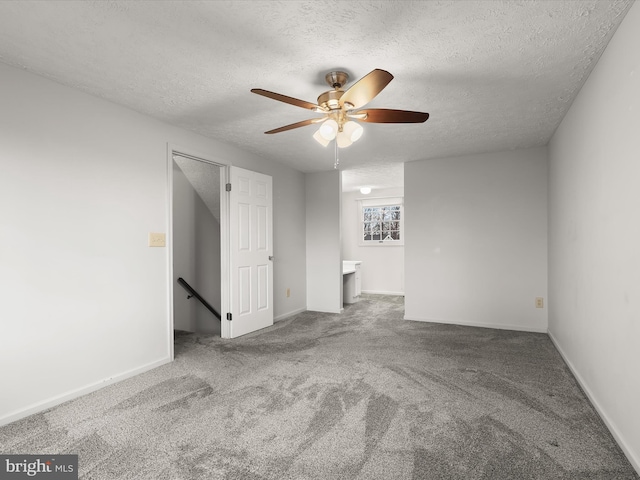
{"x":340,"y":108}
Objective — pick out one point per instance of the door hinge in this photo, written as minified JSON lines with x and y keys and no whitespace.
{"x":228,"y":187}
{"x":229,"y":316}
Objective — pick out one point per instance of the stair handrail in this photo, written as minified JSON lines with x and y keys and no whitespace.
{"x":193,"y":293}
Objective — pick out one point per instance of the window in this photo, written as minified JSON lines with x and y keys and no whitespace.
{"x":381,"y":221}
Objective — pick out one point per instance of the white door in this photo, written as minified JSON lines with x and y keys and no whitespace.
{"x":251,"y":250}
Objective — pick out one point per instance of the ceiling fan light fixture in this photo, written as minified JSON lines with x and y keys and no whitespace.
{"x":329,"y":129}
{"x":339,"y":109}
{"x":320,"y":139}
{"x":353,"y":129}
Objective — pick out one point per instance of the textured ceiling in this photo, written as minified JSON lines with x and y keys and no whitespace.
{"x":494,"y":75}
{"x":374,"y":176}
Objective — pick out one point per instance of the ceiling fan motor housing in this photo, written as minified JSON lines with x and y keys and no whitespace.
{"x":330,"y":100}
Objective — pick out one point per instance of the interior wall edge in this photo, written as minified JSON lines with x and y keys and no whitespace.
{"x":615,"y":432}
{"x":79,"y":392}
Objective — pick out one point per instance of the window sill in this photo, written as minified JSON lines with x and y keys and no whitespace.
{"x":382,"y":244}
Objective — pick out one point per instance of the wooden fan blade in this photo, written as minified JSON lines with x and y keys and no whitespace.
{"x":385,"y":115}
{"x":285,"y":99}
{"x":303,"y":123}
{"x":365,"y":89}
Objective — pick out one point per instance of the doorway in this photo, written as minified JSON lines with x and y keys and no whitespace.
{"x":382,"y":261}
{"x":196,"y":244}
{"x":221,"y":255}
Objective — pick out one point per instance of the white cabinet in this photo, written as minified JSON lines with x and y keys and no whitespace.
{"x":358,"y":280}
{"x":351,"y":280}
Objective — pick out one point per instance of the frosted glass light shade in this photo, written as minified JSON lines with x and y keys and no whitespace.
{"x":353,"y":129}
{"x":320,"y":139}
{"x":329,"y":129}
{"x":343,"y":140}
{"x":365,"y":190}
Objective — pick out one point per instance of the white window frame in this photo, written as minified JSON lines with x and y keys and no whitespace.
{"x":379,"y":202}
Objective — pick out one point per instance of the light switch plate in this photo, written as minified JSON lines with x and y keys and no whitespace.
{"x":157,"y":240}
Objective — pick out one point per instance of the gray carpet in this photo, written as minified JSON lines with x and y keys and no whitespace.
{"x":362,"y":395}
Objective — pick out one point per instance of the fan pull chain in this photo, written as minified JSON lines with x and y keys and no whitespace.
{"x":336,"y":162}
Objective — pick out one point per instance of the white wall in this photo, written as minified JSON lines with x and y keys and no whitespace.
{"x":324,"y":261}
{"x":84,"y":300}
{"x":289,"y":241}
{"x":476,"y":240}
{"x":594,"y":236}
{"x":196,"y":256}
{"x":383,"y":266}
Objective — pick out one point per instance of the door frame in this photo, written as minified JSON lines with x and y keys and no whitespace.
{"x":225,"y":270}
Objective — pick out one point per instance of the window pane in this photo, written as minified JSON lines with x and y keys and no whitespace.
{"x":381,"y":223}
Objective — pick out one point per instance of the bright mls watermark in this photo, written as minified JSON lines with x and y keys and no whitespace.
{"x":50,"y":467}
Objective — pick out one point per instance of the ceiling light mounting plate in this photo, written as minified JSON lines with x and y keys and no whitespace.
{"x":336,"y":79}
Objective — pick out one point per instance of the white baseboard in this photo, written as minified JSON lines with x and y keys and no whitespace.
{"x":498,"y":326}
{"x":381,"y":292}
{"x":630,"y":454}
{"x":323,"y":310}
{"x":289,"y":314}
{"x":65,"y":397}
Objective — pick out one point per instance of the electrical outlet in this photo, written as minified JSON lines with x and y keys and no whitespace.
{"x":288,"y":292}
{"x":539,"y":302}
{"x":157,"y":240}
